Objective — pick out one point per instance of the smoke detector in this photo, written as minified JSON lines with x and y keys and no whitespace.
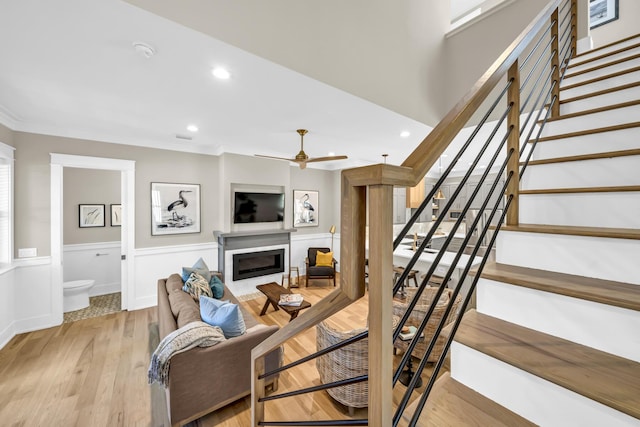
{"x":144,"y":49}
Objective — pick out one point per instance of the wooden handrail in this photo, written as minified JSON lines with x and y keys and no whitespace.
{"x":380,"y":179}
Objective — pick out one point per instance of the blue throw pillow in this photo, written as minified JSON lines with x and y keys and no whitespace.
{"x":199,"y":267}
{"x":217,"y":287}
{"x":223,"y":314}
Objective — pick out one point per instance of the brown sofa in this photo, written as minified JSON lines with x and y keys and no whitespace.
{"x":202,"y":380}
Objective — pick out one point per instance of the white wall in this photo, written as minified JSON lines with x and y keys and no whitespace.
{"x":96,"y":261}
{"x":7,"y":306}
{"x":626,"y":25}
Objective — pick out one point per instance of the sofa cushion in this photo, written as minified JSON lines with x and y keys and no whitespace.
{"x":199,"y":267}
{"x":226,"y":315}
{"x":196,"y":285}
{"x":184,"y":308}
{"x":174,"y":282}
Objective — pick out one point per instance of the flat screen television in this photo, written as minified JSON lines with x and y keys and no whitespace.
{"x":258,"y":207}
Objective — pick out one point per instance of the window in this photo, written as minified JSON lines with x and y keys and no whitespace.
{"x":6,"y":203}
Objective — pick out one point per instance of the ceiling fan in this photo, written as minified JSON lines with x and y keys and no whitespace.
{"x":302,"y":158}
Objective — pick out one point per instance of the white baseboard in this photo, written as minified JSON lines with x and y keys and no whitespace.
{"x":7,"y":334}
{"x":584,"y":45}
{"x":104,"y":289}
{"x":37,"y":323}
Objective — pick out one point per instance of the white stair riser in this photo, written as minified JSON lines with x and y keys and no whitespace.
{"x":532,"y":397}
{"x":611,"y":98}
{"x":586,"y":173}
{"x":624,"y":139}
{"x":600,"y":52}
{"x":613,"y":210}
{"x":584,"y":322}
{"x":600,"y":72}
{"x":602,"y":258}
{"x":600,"y":85}
{"x":603,"y":61}
{"x":601,"y":119}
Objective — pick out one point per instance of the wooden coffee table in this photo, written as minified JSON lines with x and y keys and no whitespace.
{"x":273,"y":291}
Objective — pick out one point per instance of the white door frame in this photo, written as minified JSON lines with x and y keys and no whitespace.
{"x":127,"y":231}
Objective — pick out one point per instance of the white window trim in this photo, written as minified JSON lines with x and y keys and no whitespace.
{"x":6,"y":152}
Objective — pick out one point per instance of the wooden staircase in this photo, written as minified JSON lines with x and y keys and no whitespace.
{"x":555,"y":337}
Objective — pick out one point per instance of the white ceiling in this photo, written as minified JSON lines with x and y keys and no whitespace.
{"x":69,"y":69}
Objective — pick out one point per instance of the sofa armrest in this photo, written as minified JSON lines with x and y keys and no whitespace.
{"x":202,"y":380}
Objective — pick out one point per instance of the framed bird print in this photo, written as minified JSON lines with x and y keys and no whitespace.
{"x":306,"y":208}
{"x":175,"y":208}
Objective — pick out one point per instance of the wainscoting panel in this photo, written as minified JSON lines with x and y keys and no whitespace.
{"x":152,"y":264}
{"x":34,"y":298}
{"x":95,"y":261}
{"x":7,"y":313}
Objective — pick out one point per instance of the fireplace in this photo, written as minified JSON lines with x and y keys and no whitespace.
{"x":255,"y":264}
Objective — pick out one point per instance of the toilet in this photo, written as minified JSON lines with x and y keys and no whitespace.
{"x":76,"y":294}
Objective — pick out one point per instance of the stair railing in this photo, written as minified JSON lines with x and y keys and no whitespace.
{"x":545,"y":47}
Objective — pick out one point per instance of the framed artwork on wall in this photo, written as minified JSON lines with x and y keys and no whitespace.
{"x":602,"y":12}
{"x":306,"y":208}
{"x":116,"y":215}
{"x":175,"y":208}
{"x":91,"y":216}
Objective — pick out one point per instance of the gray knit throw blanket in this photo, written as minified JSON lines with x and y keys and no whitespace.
{"x":193,"y":334}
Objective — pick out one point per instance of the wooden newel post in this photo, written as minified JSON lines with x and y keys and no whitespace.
{"x":555,"y":65}
{"x":574,"y":28}
{"x":513,"y":143}
{"x":380,"y":305}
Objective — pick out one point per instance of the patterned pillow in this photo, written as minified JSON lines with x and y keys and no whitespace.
{"x":197,"y":285}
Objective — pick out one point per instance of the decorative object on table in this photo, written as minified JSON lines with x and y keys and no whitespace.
{"x":602,"y":12}
{"x":302,"y":158}
{"x":175,"y":208}
{"x":292,"y":280}
{"x":292,"y":300}
{"x":116,"y":215}
{"x":273,"y":291}
{"x":305,"y":208}
{"x":322,"y":270}
{"x":91,"y":216}
{"x":332,"y":230}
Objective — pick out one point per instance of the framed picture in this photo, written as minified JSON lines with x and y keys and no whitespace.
{"x":306,"y":207}
{"x":175,"y":208}
{"x":602,"y":12}
{"x":91,"y":216}
{"x":116,"y":215}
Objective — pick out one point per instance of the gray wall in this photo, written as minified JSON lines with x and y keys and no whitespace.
{"x":6,"y":135}
{"x":32,"y":187}
{"x":89,"y":186}
{"x":215,"y":174}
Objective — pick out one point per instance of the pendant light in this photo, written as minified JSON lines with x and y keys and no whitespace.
{"x":439,"y":194}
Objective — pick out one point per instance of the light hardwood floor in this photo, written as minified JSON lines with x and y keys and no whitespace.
{"x":93,"y":372}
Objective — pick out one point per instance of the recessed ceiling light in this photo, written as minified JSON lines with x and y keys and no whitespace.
{"x":221,"y":73}
{"x":192,"y":128}
{"x":405,"y":134}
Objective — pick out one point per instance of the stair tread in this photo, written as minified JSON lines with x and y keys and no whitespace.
{"x":613,"y":189}
{"x":593,"y":111}
{"x":618,"y":294}
{"x":451,"y":403}
{"x":587,"y":132}
{"x":597,"y":79}
{"x":600,"y":92}
{"x":590,"y":156}
{"x":603,"y":377}
{"x":614,"y":233}
{"x":606,"y":64}
{"x":606,"y":46}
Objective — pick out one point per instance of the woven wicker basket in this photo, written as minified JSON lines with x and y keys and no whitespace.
{"x":418,"y":313}
{"x":344,"y":363}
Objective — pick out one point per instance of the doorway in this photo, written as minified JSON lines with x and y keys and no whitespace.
{"x":127,"y":229}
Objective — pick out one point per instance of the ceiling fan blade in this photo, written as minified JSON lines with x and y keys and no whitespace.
{"x":326,"y":159}
{"x":277,"y":158}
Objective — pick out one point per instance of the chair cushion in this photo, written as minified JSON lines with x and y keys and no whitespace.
{"x":324,"y":259}
{"x":321,"y":271}
{"x":311,"y":254}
